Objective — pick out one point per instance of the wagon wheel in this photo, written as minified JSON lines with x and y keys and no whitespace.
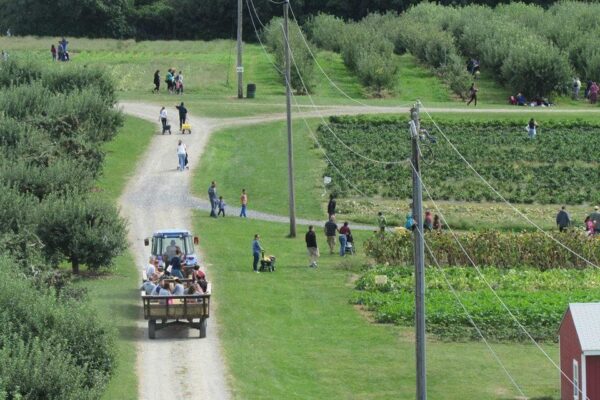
{"x":152,"y":328}
{"x":202,"y":328}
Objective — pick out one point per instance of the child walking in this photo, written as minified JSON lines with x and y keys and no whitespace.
{"x":221,"y":206}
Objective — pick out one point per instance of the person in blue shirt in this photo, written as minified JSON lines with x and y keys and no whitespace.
{"x":256,"y":250}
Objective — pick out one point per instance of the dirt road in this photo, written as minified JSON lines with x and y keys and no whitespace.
{"x":173,"y":365}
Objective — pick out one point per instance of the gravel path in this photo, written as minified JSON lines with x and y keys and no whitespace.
{"x":174,"y":365}
{"x":158,"y":196}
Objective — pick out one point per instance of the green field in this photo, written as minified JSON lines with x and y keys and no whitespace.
{"x":296,"y":333}
{"x":293,"y":333}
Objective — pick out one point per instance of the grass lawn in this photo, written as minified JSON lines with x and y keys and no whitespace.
{"x":211,"y":83}
{"x":255,"y":158}
{"x":114,"y":293}
{"x":293,"y":334}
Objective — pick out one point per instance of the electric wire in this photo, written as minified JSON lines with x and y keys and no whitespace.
{"x":501,"y":197}
{"x":316,"y":108}
{"x":484,"y":279}
{"x":435,"y":204}
{"x":470,"y":318}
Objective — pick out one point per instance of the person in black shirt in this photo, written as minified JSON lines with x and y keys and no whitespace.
{"x":331,"y":206}
{"x":331,"y":229}
{"x":311,"y":246}
{"x":182,"y":115}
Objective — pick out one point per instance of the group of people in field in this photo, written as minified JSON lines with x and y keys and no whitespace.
{"x":591,"y":222}
{"x":591,"y":90}
{"x":217,"y":203}
{"x":61,"y":51}
{"x":173,"y":79}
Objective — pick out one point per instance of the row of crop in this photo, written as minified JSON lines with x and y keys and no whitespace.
{"x":52,"y":130}
{"x":538,"y":299}
{"x":538,"y":312}
{"x":524,"y":171}
{"x":401,"y":279}
{"x":501,"y":249}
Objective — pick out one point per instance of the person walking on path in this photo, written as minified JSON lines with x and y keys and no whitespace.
{"x":182,"y":115}
{"x":311,"y":246}
{"x":344,"y":237}
{"x":221,"y":206}
{"x":331,"y":229}
{"x":531,"y":128}
{"x":256,"y":250}
{"x":181,"y":153}
{"x":163,"y":117}
{"x":331,"y":206}
{"x":563,"y":220}
{"x":156,"y":82}
{"x":53,"y":52}
{"x":473,"y":94}
{"x":212,"y":198}
{"x":244,"y":201}
{"x":381,"y":222}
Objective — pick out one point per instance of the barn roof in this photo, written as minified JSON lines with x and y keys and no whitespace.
{"x":586,"y":317}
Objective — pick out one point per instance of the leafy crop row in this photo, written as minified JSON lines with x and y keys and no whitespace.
{"x":537,"y":299}
{"x":559,"y":166}
{"x":502,"y":249}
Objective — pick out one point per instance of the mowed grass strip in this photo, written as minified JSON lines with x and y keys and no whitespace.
{"x":293,"y":334}
{"x":114,"y":293}
{"x":254,"y":157}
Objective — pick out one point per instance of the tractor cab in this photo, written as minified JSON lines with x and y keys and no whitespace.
{"x":165,"y":241}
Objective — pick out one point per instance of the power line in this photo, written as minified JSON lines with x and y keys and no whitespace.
{"x":484,"y":279}
{"x":504,"y":199}
{"x":316,"y":108}
{"x":471,"y":321}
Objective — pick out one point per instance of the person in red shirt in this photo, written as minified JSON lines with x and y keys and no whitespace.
{"x":244,"y":201}
{"x":345,"y":234}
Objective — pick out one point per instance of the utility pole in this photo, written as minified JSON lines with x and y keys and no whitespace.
{"x":288,"y":93}
{"x":419,"y":256}
{"x":240,"y":68}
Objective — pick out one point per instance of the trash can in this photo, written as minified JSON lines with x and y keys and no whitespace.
{"x":250,"y":91}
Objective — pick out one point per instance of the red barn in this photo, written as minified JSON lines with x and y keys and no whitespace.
{"x":579,"y":336}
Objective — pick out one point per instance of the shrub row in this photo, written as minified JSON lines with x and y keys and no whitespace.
{"x":532,"y":64}
{"x":302,"y":63}
{"x":52,"y":129}
{"x":530,"y":249}
{"x":365,"y":47}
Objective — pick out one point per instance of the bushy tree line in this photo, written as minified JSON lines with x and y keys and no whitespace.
{"x":302,"y":62}
{"x":366,"y":46}
{"x":52,"y":128}
{"x":176,"y":19}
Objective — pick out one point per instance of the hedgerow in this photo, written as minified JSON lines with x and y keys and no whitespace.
{"x":501,"y":249}
{"x":302,"y":63}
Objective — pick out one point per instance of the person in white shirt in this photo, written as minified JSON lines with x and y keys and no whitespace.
{"x":181,"y":153}
{"x":163,"y":118}
{"x":150,"y":268}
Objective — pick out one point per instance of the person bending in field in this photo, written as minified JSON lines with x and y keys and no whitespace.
{"x":473,"y":94}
